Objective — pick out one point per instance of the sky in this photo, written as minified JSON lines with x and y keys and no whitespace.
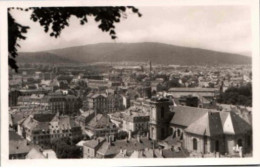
{"x":219,"y":28}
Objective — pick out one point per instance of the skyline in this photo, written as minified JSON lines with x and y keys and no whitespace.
{"x":218,"y":28}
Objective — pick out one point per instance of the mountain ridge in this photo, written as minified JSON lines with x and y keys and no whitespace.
{"x":159,"y":53}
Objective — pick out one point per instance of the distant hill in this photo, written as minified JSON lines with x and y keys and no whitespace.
{"x":42,"y":57}
{"x":142,"y":52}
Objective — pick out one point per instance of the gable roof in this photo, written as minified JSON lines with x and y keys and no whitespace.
{"x":35,"y":154}
{"x":234,"y":124}
{"x":33,"y":124}
{"x":114,"y":148}
{"x":63,"y":122}
{"x":185,"y":115}
{"x":100,"y":121}
{"x":17,"y":145}
{"x":209,"y":124}
{"x":94,"y":142}
{"x":13,"y":136}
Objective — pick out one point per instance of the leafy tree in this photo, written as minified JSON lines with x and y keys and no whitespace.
{"x":192,"y":101}
{"x":65,"y":148}
{"x":174,"y":83}
{"x":237,"y":95}
{"x":55,"y":19}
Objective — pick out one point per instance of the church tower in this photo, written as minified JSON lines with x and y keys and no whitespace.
{"x":160,"y":117}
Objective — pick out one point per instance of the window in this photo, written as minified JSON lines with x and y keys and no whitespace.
{"x":195,"y":144}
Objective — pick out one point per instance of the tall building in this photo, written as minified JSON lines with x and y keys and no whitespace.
{"x":64,"y":104}
{"x":160,"y":116}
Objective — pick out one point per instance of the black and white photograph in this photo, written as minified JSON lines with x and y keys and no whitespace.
{"x":132,"y":81}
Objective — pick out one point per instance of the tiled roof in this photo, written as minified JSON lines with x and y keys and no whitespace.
{"x":13,"y":136}
{"x":239,"y":125}
{"x":94,"y":142}
{"x":35,"y":154}
{"x":33,"y":124}
{"x":44,"y":117}
{"x":209,"y":124}
{"x":18,"y":147}
{"x":50,"y":154}
{"x":97,"y":95}
{"x":64,"y":122}
{"x":87,"y":113}
{"x":193,"y":89}
{"x":17,"y":144}
{"x":114,"y":148}
{"x":168,"y":153}
{"x":99,"y":121}
{"x":185,"y":115}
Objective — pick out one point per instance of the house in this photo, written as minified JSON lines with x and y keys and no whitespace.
{"x":100,"y":125}
{"x":84,"y":118}
{"x":204,"y":131}
{"x":13,"y":97}
{"x":205,"y":135}
{"x":132,"y":120}
{"x":205,"y":92}
{"x":62,"y":126}
{"x":64,"y":104}
{"x":110,"y":148}
{"x":238,"y":133}
{"x":18,"y":146}
{"x":46,"y":128}
{"x":183,"y":117}
{"x":90,"y":147}
{"x":35,"y":153}
{"x":98,"y":102}
{"x":35,"y":128}
{"x":115,"y":102}
{"x":49,"y":153}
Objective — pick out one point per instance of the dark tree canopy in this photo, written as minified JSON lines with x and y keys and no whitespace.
{"x":55,"y":19}
{"x":237,"y":95}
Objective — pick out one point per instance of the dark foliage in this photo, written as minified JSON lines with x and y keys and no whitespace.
{"x":122,"y":135}
{"x":192,"y":101}
{"x":65,"y":148}
{"x":15,"y":32}
{"x":237,"y":95}
{"x":174,"y":83}
{"x":55,"y":19}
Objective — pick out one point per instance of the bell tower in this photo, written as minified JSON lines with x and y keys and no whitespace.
{"x":159,"y":118}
